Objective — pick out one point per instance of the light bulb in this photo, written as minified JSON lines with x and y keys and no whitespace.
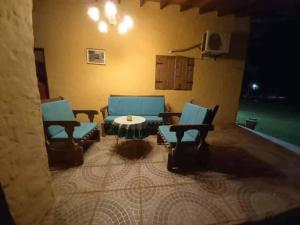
{"x":103,"y":27}
{"x":110,"y":9}
{"x":255,"y":87}
{"x":128,"y":22}
{"x":93,"y":13}
{"x":122,"y":28}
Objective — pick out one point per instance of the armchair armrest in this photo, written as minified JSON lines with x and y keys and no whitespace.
{"x":68,"y":125}
{"x":186,"y":127}
{"x":169,"y":114}
{"x":166,"y":116}
{"x":103,"y":110}
{"x":90,"y":113}
{"x":181,"y":128}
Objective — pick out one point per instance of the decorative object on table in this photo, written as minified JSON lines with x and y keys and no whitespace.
{"x":147,"y":106}
{"x":65,"y":137}
{"x":186,"y":139}
{"x":110,"y":16}
{"x":251,"y":123}
{"x":129,"y":118}
{"x":95,"y":56}
{"x":134,"y":129}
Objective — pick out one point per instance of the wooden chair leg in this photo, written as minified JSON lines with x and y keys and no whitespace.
{"x":76,"y":157}
{"x":103,"y":131}
{"x":159,"y":139}
{"x":172,"y":164}
{"x":97,"y":135}
{"x":204,"y":156}
{"x":65,"y":154}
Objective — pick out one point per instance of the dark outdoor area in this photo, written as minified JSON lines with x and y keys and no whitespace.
{"x":270,"y":93}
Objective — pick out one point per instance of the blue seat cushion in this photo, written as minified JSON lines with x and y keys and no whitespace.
{"x":171,"y":136}
{"x":149,"y":119}
{"x":58,"y":110}
{"x":193,"y":114}
{"x":154,"y":119}
{"x":110,"y":119}
{"x":79,"y":132}
{"x":136,"y":105}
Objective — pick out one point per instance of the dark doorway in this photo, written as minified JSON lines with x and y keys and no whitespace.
{"x":272,"y":60}
{"x":40,"y":65}
{"x":5,"y":216}
{"x":270,"y":95}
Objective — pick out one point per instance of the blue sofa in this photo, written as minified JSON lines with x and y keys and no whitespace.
{"x":65,"y":137}
{"x":146,"y":106}
{"x":189,"y":134}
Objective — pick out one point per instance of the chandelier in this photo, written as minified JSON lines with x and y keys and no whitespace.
{"x":110,"y":16}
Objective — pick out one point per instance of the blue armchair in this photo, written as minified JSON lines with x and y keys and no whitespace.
{"x":65,"y":137}
{"x":189,"y":134}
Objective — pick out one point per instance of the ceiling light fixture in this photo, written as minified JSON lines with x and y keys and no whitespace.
{"x":128,"y":21}
{"x":110,"y":8}
{"x":93,"y":13}
{"x":103,"y":27}
{"x":111,"y":16}
{"x":122,"y":28}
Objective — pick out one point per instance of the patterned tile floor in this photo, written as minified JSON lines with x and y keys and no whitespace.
{"x":112,"y":189}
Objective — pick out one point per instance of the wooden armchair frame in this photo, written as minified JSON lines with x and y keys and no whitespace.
{"x":69,"y":151}
{"x":177,"y":156}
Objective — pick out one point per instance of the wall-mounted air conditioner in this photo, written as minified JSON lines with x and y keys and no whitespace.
{"x":215,"y":43}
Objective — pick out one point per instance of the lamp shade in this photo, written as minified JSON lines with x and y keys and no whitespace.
{"x":122,"y":28}
{"x":128,"y":21}
{"x":93,"y":13}
{"x":102,"y":27}
{"x":110,"y":9}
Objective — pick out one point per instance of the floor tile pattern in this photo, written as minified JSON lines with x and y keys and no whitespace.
{"x":112,"y":189}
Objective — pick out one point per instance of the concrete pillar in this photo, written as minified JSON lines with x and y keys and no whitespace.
{"x":24,"y":172}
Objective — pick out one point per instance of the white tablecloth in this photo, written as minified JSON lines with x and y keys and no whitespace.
{"x":135,"y":129}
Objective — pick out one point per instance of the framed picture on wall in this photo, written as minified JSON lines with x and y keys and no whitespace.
{"x":95,"y":56}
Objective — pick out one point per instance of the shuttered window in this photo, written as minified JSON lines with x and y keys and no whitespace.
{"x":174,"y":72}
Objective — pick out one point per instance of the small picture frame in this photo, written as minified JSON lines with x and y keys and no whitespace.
{"x":95,"y":56}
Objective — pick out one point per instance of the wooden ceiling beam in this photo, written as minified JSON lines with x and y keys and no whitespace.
{"x":237,"y":6}
{"x":142,"y":2}
{"x":184,"y":7}
{"x":210,"y":5}
{"x":163,"y":3}
{"x":188,"y":4}
{"x":276,"y":7}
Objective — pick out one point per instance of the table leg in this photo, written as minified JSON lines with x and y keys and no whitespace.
{"x":117,"y":139}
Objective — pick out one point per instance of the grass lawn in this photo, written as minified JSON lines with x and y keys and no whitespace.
{"x":274,"y":119}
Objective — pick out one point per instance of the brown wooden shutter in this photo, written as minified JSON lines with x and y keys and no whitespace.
{"x":184,"y":69}
{"x":164,"y":77}
{"x":174,"y":72}
{"x":190,"y":74}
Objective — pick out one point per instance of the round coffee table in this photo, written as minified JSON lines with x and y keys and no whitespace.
{"x":134,"y":129}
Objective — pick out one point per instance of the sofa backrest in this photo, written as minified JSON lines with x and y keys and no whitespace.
{"x":136,"y":105}
{"x":193,"y":114}
{"x":57,"y":110}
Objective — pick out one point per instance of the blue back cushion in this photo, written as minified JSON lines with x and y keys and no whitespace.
{"x":135,"y":105}
{"x":58,"y":110}
{"x":193,"y":114}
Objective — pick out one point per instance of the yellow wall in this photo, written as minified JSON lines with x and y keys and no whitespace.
{"x":63,"y":28}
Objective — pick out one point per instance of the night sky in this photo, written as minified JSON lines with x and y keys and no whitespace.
{"x":273,"y":58}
